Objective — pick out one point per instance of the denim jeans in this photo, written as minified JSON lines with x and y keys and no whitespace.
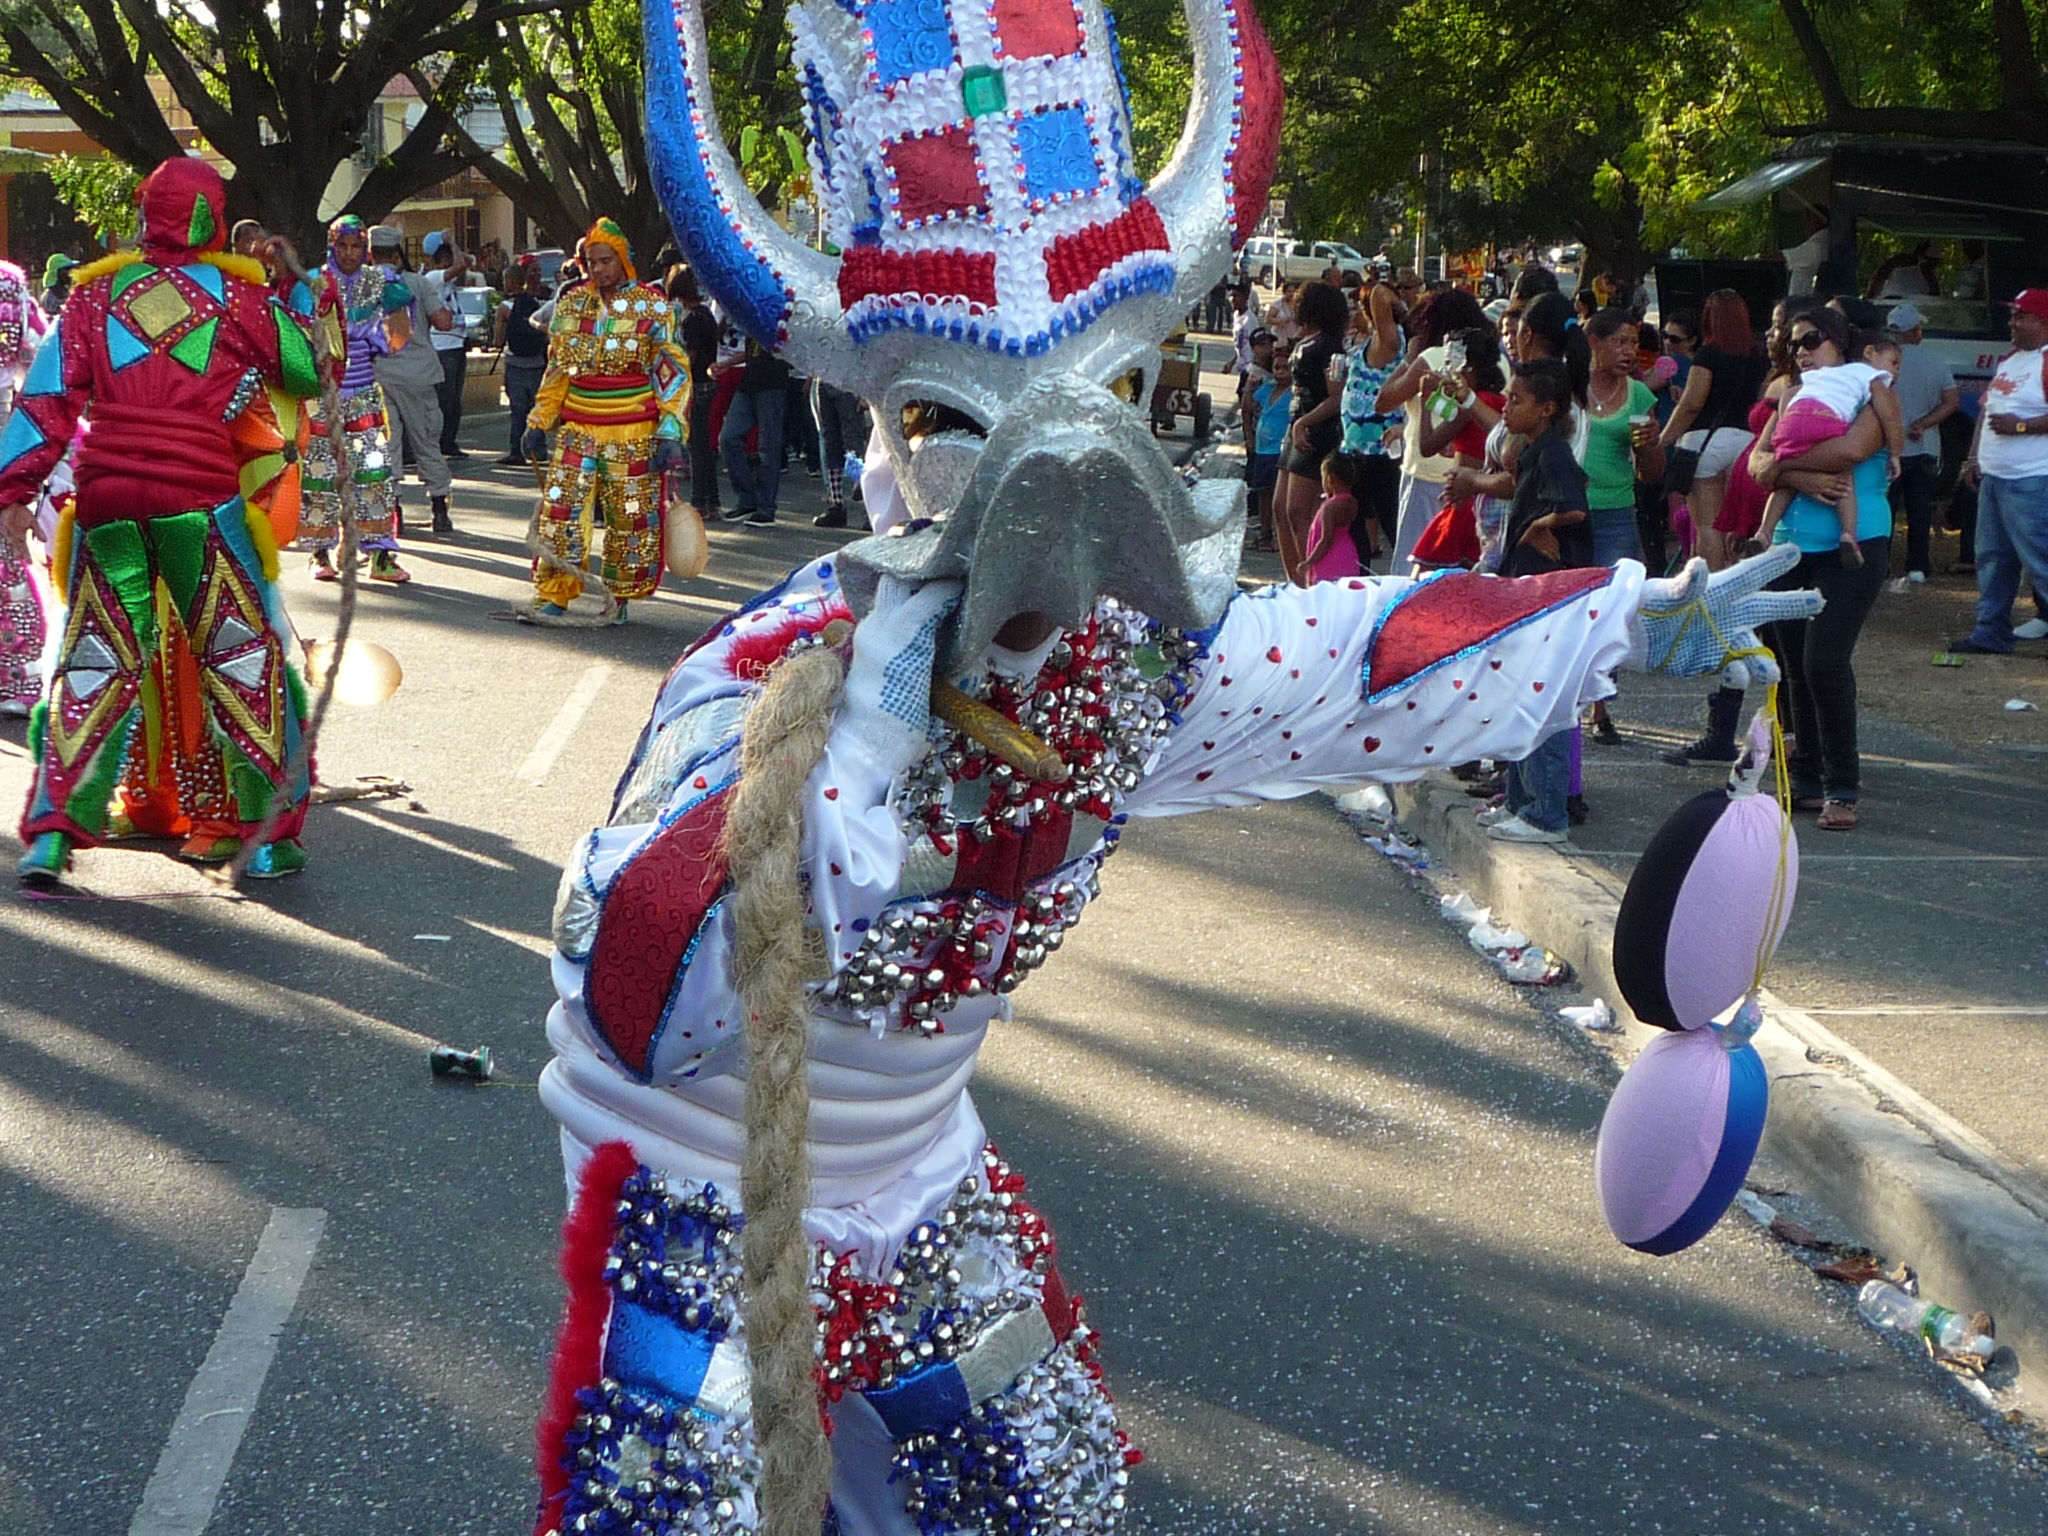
{"x":2012,"y":539}
{"x":1914,"y":489}
{"x":837,"y":412}
{"x":1819,"y":693}
{"x":754,"y":489}
{"x":703,"y":453}
{"x":1537,"y":785}
{"x":1615,"y":535}
{"x":454,"y":369}
{"x":522,"y":383}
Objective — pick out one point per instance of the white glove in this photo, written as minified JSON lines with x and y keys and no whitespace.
{"x":1692,"y":624}
{"x":889,"y":684}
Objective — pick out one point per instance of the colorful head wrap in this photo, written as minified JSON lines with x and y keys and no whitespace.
{"x":607,"y":232}
{"x":347,"y":224}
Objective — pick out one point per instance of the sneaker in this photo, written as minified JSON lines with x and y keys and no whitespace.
{"x":1969,"y":645}
{"x":760,"y":519}
{"x":1576,"y":810}
{"x":452,"y":454}
{"x":286,"y":856}
{"x":735,"y":514}
{"x":833,"y":518}
{"x":1917,"y":578}
{"x":45,"y":862}
{"x":511,"y":461}
{"x":1516,"y":830}
{"x":443,"y":524}
{"x":322,"y":566}
{"x":1703,"y":750}
{"x":384,"y":566}
{"x":1603,"y":732}
{"x":2033,"y":629}
{"x":1494,"y":815}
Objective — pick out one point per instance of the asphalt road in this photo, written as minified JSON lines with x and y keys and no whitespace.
{"x":1325,"y":1178}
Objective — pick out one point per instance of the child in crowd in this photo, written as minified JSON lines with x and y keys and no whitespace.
{"x":1548,"y":529}
{"x":1271,"y":393}
{"x":1821,"y":409}
{"x":1470,"y":390}
{"x":1332,"y":553}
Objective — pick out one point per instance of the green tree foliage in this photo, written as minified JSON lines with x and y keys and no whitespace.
{"x":100,"y":191}
{"x":569,"y":85}
{"x":1600,"y":120}
{"x":284,"y":90}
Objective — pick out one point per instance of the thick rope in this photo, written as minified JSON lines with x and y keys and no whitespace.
{"x":785,"y":738}
{"x":331,"y":353}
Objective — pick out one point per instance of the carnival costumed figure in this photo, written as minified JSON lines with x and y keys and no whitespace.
{"x":163,"y":346}
{"x":616,"y":394}
{"x":832,"y":860}
{"x":22,"y":624}
{"x":370,"y":308}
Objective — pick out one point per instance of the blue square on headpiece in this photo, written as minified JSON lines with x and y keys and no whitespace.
{"x":1058,"y":152}
{"x":912,"y":37}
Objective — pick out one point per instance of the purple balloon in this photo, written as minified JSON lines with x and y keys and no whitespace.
{"x":1678,"y":1138}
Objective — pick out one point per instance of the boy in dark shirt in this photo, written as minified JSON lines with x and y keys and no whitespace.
{"x":1548,"y":530}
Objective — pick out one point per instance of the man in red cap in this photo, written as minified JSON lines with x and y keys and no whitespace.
{"x":2010,"y":456}
{"x":165,"y":346}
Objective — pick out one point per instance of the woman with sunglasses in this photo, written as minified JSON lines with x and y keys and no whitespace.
{"x":1711,"y":417}
{"x":1816,"y":654}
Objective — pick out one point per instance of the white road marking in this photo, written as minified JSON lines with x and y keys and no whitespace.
{"x":535,"y":769}
{"x":398,"y":828}
{"x":189,"y":1475}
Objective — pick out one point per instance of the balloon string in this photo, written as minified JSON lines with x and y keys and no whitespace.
{"x":1781,"y":785}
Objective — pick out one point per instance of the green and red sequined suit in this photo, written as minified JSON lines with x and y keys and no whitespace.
{"x":164,"y":349}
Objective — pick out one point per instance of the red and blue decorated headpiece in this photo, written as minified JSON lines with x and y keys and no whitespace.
{"x":1000,"y":259}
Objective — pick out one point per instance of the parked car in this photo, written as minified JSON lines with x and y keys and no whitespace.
{"x":473,"y":309}
{"x":1270,"y":261}
{"x":549,"y":259}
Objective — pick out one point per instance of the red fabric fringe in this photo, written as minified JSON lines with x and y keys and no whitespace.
{"x":586,"y":1240}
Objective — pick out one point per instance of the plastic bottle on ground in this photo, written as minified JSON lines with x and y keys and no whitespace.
{"x":1884,"y":1305}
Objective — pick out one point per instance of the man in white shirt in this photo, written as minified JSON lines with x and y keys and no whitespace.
{"x":446,"y":262}
{"x":411,"y":377}
{"x":2010,"y":456}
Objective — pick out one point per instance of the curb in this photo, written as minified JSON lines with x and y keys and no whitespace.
{"x":1906,"y":1178}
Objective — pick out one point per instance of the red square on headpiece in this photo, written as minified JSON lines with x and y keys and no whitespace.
{"x":1034,"y":29}
{"x":935,"y":174}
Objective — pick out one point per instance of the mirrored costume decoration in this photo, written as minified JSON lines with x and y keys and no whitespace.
{"x":1005,"y":283}
{"x":164,"y":347}
{"x":616,"y":384}
{"x":370,"y":308}
{"x":23,"y":628}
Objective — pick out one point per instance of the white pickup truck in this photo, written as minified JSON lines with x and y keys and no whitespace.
{"x":1270,"y":262}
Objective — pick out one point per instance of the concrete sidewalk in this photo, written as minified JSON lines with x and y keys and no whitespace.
{"x":1908,"y":1033}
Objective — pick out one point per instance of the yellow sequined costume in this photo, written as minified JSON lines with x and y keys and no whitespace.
{"x":616,"y":382}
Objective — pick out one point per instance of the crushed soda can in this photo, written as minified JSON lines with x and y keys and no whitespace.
{"x":472,"y":1066}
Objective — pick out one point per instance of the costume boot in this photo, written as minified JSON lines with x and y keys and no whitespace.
{"x":1724,"y":710}
{"x":48,"y":856}
{"x":442,"y":522}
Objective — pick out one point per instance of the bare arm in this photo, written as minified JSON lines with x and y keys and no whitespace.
{"x":1690,"y":404}
{"x":1891,"y":418}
